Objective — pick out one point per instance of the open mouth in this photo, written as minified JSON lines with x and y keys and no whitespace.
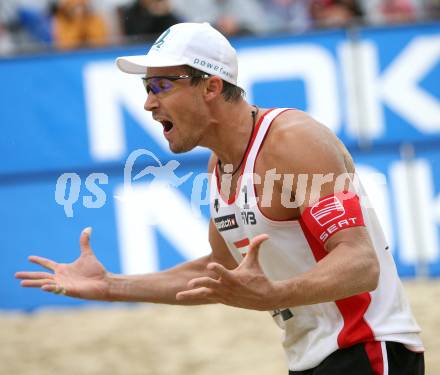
{"x":167,"y":126}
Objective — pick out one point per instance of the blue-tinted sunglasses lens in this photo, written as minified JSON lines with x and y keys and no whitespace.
{"x":157,"y":85}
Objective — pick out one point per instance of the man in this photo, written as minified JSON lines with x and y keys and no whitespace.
{"x":287,"y":235}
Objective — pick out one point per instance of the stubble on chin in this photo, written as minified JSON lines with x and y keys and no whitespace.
{"x":184,"y":146}
{"x":180,"y":148}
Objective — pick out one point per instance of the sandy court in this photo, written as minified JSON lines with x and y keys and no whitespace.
{"x":165,"y":340}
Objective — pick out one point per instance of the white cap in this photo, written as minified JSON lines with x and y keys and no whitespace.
{"x":198,"y":45}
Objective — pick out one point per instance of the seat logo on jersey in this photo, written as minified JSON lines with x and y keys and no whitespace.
{"x":327,"y":210}
{"x":226,"y":222}
{"x":332,"y":214}
{"x":344,"y":223}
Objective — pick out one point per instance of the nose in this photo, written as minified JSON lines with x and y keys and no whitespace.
{"x":151,"y":102}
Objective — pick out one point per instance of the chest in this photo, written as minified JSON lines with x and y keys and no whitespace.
{"x":241,"y":219}
{"x":260,"y":188}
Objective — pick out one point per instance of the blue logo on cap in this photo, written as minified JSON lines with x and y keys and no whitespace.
{"x":158,"y":43}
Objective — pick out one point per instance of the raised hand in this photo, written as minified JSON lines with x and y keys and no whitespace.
{"x":246,"y":286}
{"x":84,"y":278}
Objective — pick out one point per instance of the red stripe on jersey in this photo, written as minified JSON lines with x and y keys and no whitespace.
{"x":317,"y":248}
{"x":254,"y":135}
{"x":232,"y":198}
{"x":374,"y":353}
{"x":255,"y":162}
{"x":242,"y":243}
{"x":352,"y":309}
{"x":355,"y":329}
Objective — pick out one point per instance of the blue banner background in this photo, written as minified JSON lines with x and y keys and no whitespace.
{"x":46,"y":132}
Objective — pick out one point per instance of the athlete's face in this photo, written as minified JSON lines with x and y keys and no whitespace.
{"x":177,"y":105}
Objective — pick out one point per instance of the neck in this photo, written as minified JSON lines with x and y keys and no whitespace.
{"x":230,"y":131}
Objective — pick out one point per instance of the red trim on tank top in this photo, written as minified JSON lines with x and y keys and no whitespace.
{"x":375,"y":356}
{"x":254,"y":135}
{"x":355,"y":329}
{"x":253,"y":171}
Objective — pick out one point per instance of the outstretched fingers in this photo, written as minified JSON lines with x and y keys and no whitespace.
{"x":200,"y":289}
{"x":54,"y":288}
{"x":254,"y":247}
{"x":219,"y":270}
{"x":196,"y":295}
{"x":33,"y":275}
{"x":84,"y":240}
{"x":44,"y":262}
{"x":36,"y":283}
{"x":203,"y":282}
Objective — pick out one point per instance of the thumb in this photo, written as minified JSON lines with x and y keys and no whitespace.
{"x":254,"y":248}
{"x":84,"y":241}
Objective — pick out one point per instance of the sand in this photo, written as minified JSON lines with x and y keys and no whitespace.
{"x":165,"y":340}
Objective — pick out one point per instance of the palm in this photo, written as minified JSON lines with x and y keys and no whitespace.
{"x":84,"y":278}
{"x":246,"y":286}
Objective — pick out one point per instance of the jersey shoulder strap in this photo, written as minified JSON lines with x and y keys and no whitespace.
{"x":260,"y":133}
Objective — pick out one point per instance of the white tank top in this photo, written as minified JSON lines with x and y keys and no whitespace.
{"x":312,"y":332}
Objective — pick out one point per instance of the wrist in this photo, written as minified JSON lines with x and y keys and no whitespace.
{"x":284,"y":294}
{"x":114,"y":287}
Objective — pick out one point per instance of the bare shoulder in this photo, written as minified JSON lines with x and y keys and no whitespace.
{"x":297,"y":143}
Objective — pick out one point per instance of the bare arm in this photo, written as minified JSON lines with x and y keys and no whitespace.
{"x":87,"y":278}
{"x":350,"y":267}
{"x":162,"y":287}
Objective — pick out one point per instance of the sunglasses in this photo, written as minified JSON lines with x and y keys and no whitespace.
{"x":161,"y":84}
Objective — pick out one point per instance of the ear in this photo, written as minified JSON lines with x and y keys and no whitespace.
{"x":213,"y":88}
